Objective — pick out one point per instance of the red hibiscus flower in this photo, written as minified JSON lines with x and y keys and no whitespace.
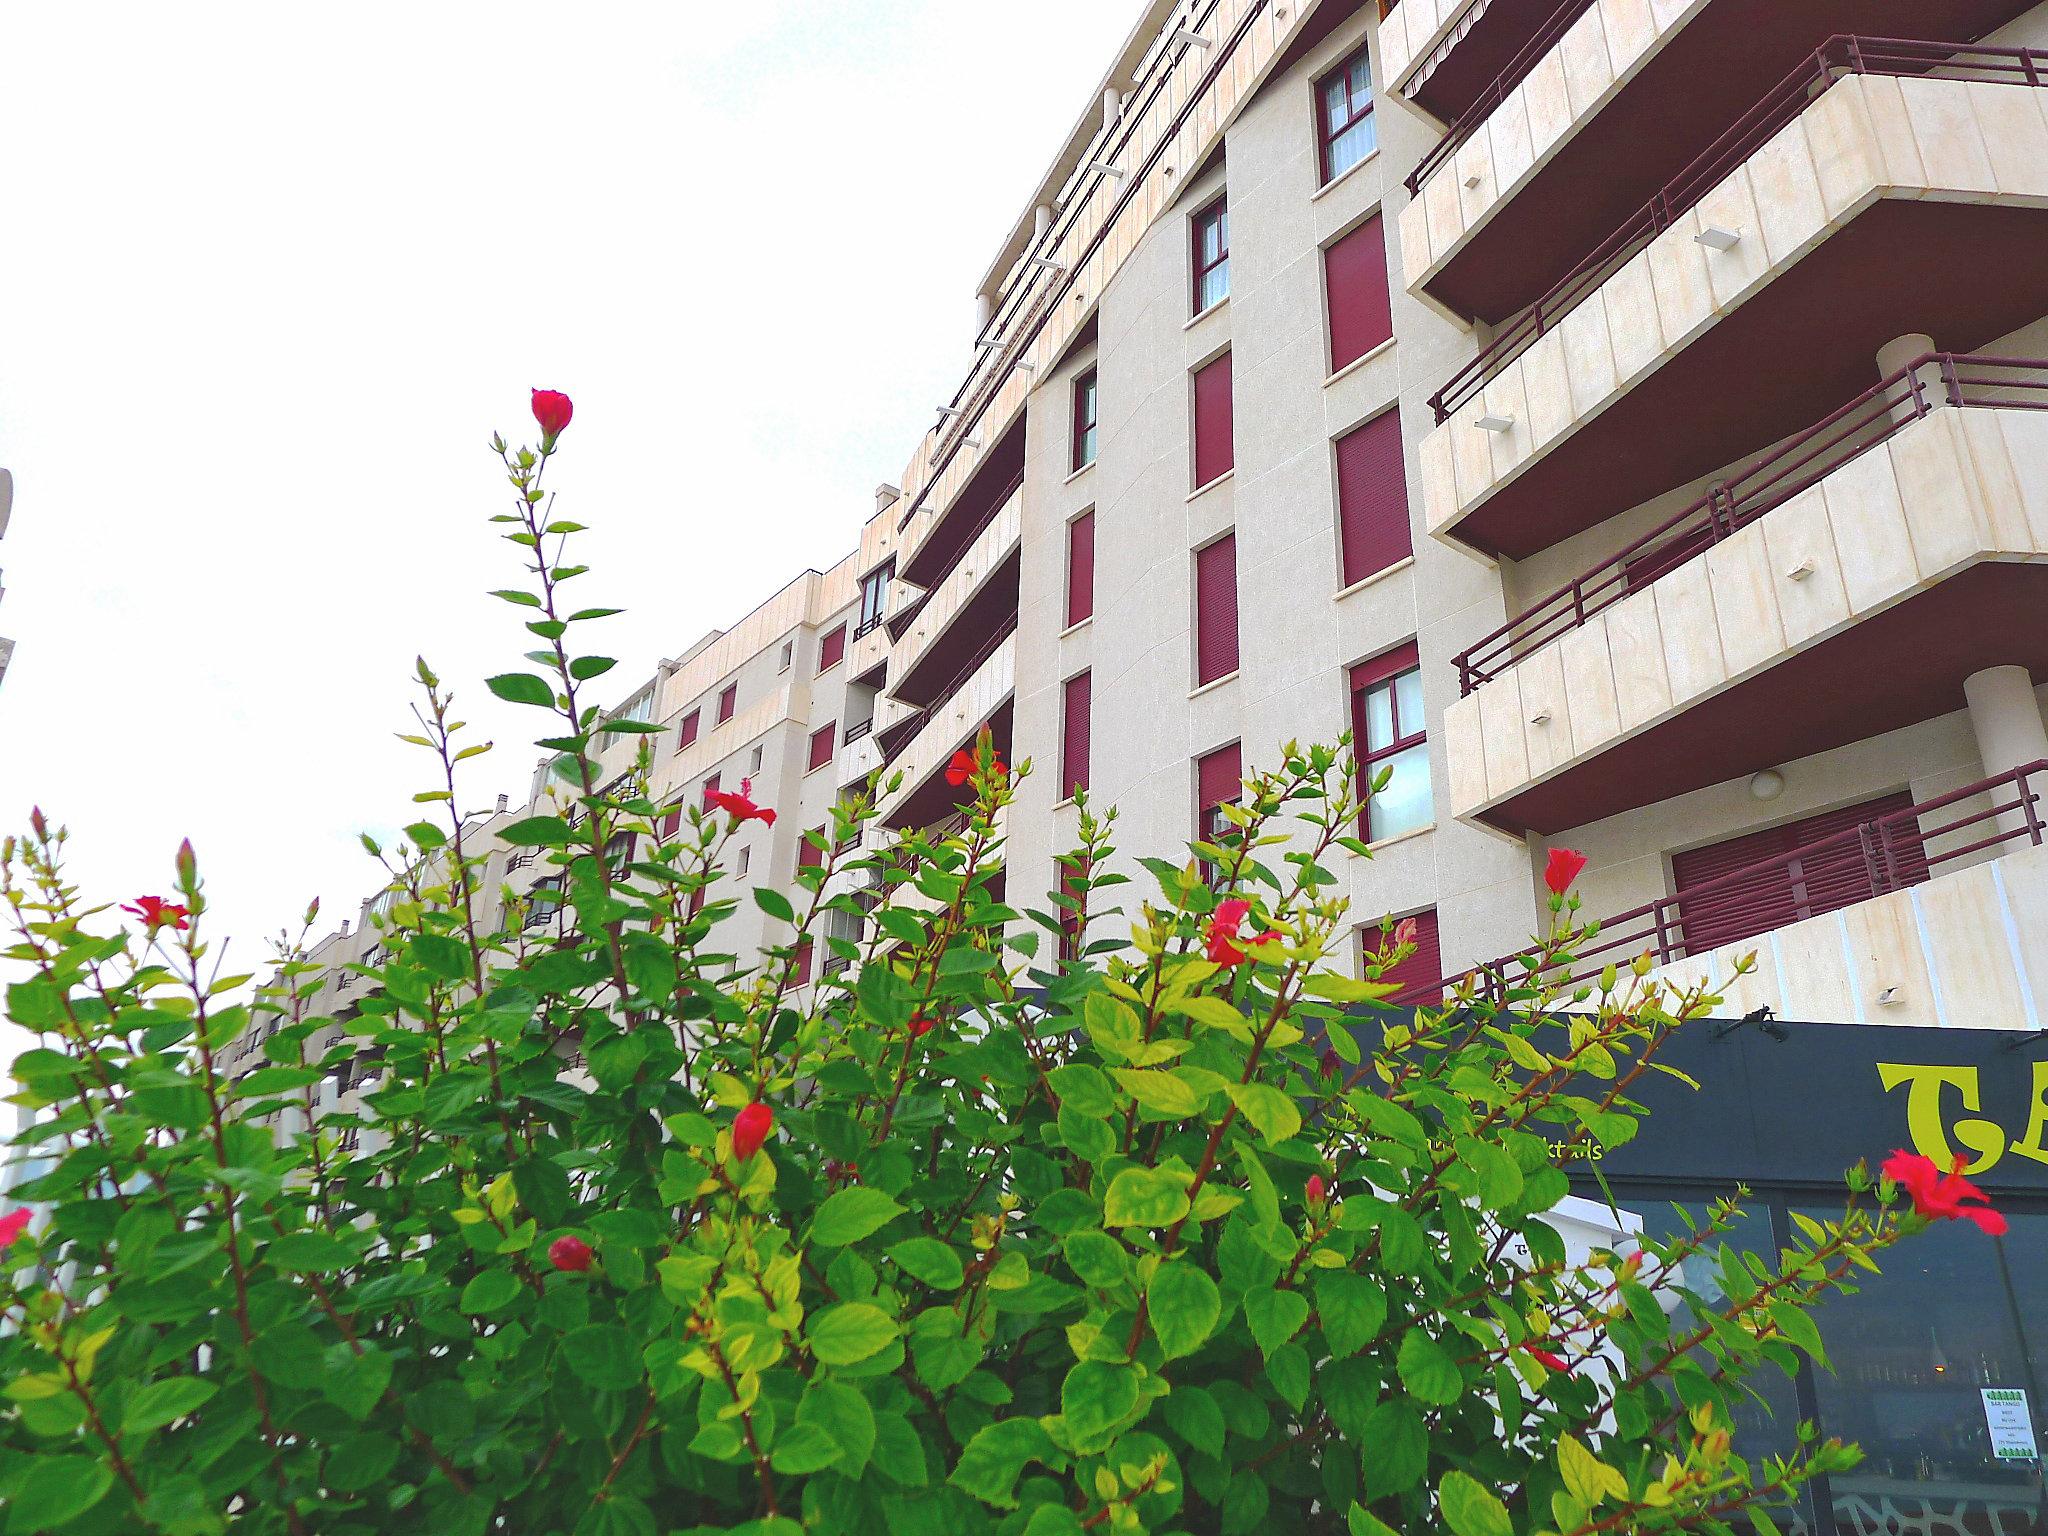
{"x":552,"y":409}
{"x":158,"y":913}
{"x":740,"y":805}
{"x":570,"y":1254}
{"x":12,"y":1225}
{"x":750,"y":1128}
{"x":1406,"y":931}
{"x":1942,"y":1198}
{"x":920,"y":1027}
{"x":1316,"y":1190}
{"x":1223,"y":936}
{"x":1563,"y":868}
{"x":964,"y":764}
{"x":1552,"y":1362}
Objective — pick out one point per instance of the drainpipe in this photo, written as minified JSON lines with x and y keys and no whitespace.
{"x":2006,"y":719}
{"x":1898,"y":352}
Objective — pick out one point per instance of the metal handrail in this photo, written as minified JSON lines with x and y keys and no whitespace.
{"x":898,"y":734}
{"x":859,"y":729}
{"x":1892,"y":848}
{"x":1840,"y":55}
{"x":1793,"y":467}
{"x":1474,"y":117}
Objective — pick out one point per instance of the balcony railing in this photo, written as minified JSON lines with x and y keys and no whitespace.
{"x":899,"y":734}
{"x":859,"y":728}
{"x":1834,"y":59}
{"x":1937,"y":379}
{"x":1517,"y":70}
{"x":1873,"y":858}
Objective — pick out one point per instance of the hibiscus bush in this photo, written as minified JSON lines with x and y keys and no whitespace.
{"x":1129,"y":1211}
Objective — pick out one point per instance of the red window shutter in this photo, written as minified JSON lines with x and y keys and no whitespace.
{"x":1372,"y":498}
{"x":1219,"y":776}
{"x":1361,"y":304}
{"x":689,"y":731}
{"x":821,"y":743}
{"x":1421,"y":975}
{"x":726,"y":700}
{"x":1215,"y":449}
{"x":810,"y":853}
{"x":1385,"y":665}
{"x":832,"y":649}
{"x":673,"y":821}
{"x":710,"y":788}
{"x":1216,"y":610}
{"x":801,"y":961}
{"x":1074,"y":741}
{"x":1724,"y":896}
{"x":1080,"y":568}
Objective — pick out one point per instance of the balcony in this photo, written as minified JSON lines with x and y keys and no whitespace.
{"x":936,"y":635}
{"x":920,"y":745}
{"x":1589,"y":118}
{"x":1751,"y":293}
{"x":1446,"y":55}
{"x":1850,"y":595}
{"x":1933,"y":914}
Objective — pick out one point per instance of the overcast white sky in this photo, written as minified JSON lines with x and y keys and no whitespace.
{"x":271,"y":274}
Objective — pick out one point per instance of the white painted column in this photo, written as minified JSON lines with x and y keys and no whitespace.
{"x":984,"y":311}
{"x":1041,"y":220}
{"x":1898,"y":352}
{"x":2005,"y":716}
{"x":1112,"y":106}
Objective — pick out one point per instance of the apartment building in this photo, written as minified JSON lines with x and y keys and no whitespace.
{"x":1626,"y":417}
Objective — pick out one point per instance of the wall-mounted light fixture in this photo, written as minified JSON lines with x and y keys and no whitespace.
{"x":1492,"y":421}
{"x":1716,"y":238}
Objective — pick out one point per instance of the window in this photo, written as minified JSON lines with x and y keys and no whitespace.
{"x":1215,"y":448}
{"x":1219,"y":781}
{"x":1355,"y":285}
{"x":1216,"y":610}
{"x":745,"y":861}
{"x":810,"y":853}
{"x":832,"y":649}
{"x":754,"y":762}
{"x":688,"y":735}
{"x":1212,"y":255}
{"x":1372,"y":498}
{"x":822,"y":742}
{"x":1080,"y":569}
{"x":544,"y":901}
{"x":1391,"y":735}
{"x":1086,"y":407}
{"x":710,"y":788}
{"x":1349,"y":133}
{"x":788,"y":656}
{"x":1421,"y":975}
{"x":1074,"y":739}
{"x":800,"y":963}
{"x":726,"y":701}
{"x":1823,"y":879}
{"x":672,"y":820}
{"x":618,"y":853}
{"x":874,"y":596}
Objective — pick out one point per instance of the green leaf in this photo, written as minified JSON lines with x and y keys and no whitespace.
{"x":929,"y":1260}
{"x":1196,"y":1418}
{"x":1272,"y":1113}
{"x":1586,"y":1477}
{"x":602,"y":1354}
{"x":355,"y":1383}
{"x":492,"y":1290}
{"x":851,"y":1214}
{"x":1096,"y":1397}
{"x":1158,"y":1091}
{"x":308,"y":1253}
{"x":1469,"y":1509}
{"x":992,"y":1461}
{"x":1275,"y":1316}
{"x":1363,"y":1524}
{"x":774,"y":903}
{"x":450,"y":1093}
{"x":1500,"y":1179}
{"x":1394,"y":1449}
{"x":360,"y":1461}
{"x":57,"y":1489}
{"x":537,"y":832}
{"x":841,"y":1413}
{"x":1428,"y":1371}
{"x":1097,"y":1259}
{"x":1054,"y":1520}
{"x":803,"y":1449}
{"x":850,"y":1332}
{"x":584,"y":668}
{"x":1146,"y":1197}
{"x":522,"y":688}
{"x":164,"y":1402}
{"x":1083,"y":1089}
{"x":1352,"y":1310}
{"x":1287,"y":1369}
{"x":1184,"y":1306}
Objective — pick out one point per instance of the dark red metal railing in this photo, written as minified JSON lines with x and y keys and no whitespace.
{"x":1837,"y":57}
{"x":1884,"y":854}
{"x":1473,"y":118}
{"x":1937,"y":379}
{"x":898,"y":734}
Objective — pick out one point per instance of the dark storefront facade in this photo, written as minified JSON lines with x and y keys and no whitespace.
{"x":1938,"y":1364}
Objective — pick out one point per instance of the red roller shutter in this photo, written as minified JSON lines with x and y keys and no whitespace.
{"x":1219,"y":777}
{"x":1216,"y":610}
{"x":726,"y":701}
{"x":1074,"y":741}
{"x":821,"y":743}
{"x":1080,"y":569}
{"x":710,"y":788}
{"x":810,"y":850}
{"x":689,"y":731}
{"x":1361,"y":304}
{"x":1421,"y":975}
{"x":1215,"y":449}
{"x":831,"y":649}
{"x":801,"y":963}
{"x":1787,"y":889}
{"x":1372,"y":498}
{"x":672,"y":821}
